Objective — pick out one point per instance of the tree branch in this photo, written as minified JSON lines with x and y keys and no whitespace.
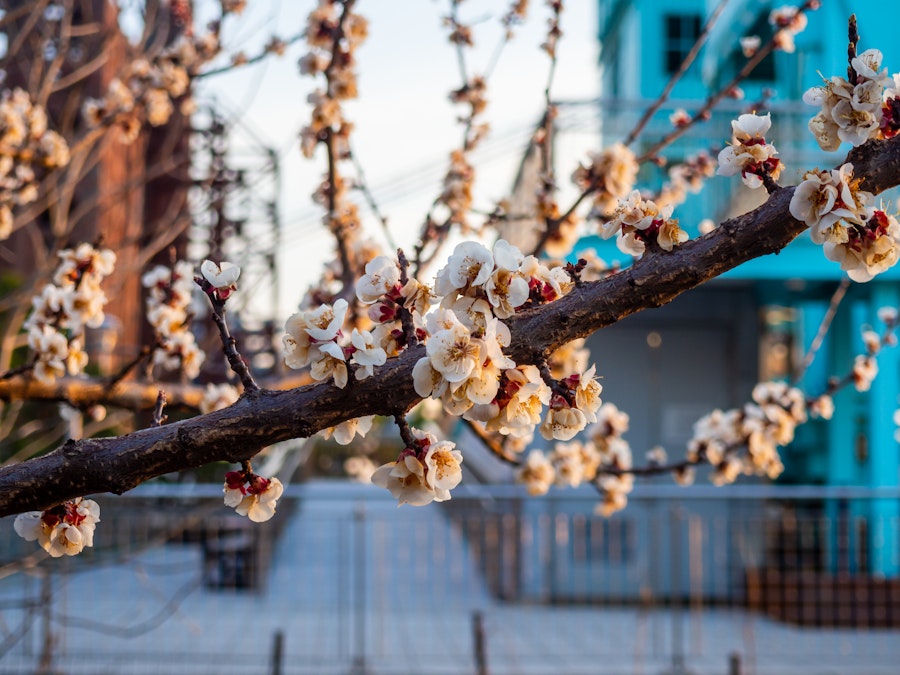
{"x":237,"y":433}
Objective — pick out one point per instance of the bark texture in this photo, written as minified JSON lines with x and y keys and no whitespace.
{"x":264,"y":417}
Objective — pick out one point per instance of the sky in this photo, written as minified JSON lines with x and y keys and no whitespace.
{"x":405,"y":125}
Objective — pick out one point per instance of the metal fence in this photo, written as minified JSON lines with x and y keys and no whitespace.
{"x":740,"y":580}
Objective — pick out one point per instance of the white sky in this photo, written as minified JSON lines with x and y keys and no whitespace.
{"x":405,"y":124}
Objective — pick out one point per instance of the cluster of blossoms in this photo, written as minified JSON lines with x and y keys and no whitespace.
{"x":313,"y":338}
{"x":611,"y":174}
{"x":251,"y":495}
{"x":865,"y":366}
{"x":686,"y":177}
{"x":863,"y":239}
{"x":64,"y":308}
{"x":333,"y":43}
{"x":749,"y":154}
{"x":853,"y":112}
{"x":465,"y":366}
{"x":149,"y":88}
{"x":720,"y":438}
{"x":333,"y":33}
{"x":637,"y":222}
{"x":62,"y":530}
{"x":168,"y":311}
{"x":604,"y":460}
{"x":28,"y":149}
{"x":424,"y":472}
{"x":788,"y":21}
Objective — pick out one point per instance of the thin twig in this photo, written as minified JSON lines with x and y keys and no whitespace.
{"x":853,"y":40}
{"x":824,"y":326}
{"x":652,"y":469}
{"x":128,"y":367}
{"x":406,"y":318}
{"x":405,"y":430}
{"x":250,"y":61}
{"x":20,"y":370}
{"x":158,"y":417}
{"x":229,"y":344}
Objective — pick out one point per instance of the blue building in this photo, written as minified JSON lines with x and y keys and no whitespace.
{"x":669,"y":366}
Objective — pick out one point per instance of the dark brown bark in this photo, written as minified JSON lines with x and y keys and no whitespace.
{"x":265,"y":417}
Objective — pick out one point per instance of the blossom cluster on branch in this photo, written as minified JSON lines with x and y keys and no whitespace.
{"x":62,"y":530}
{"x":168,"y":311}
{"x":63,"y":310}
{"x":149,"y":88}
{"x":28,"y":151}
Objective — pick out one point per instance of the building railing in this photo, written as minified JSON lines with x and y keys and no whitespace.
{"x":752,"y":578}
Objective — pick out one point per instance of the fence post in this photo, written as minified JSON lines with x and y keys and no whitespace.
{"x":277,"y":652}
{"x":676,"y":591}
{"x":480,"y":643}
{"x":734,"y":663}
{"x":359,"y":601}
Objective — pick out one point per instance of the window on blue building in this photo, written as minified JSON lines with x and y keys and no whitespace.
{"x":681,"y":32}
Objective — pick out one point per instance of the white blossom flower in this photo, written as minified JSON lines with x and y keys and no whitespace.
{"x":788,"y":21}
{"x":324,"y":323}
{"x":888,"y":315}
{"x":868,"y":65}
{"x":563,"y":423}
{"x":749,"y":154}
{"x":529,"y":395}
{"x":506,"y":256}
{"x":567,"y":464}
{"x":221,"y":276}
{"x":471,"y":264}
{"x":367,"y":354}
{"x":454,"y":353}
{"x":587,"y":394}
{"x":426,"y":380}
{"x":417,"y":297}
{"x":360,"y":468}
{"x":822,"y":407}
{"x":825,"y":197}
{"x":611,"y":172}
{"x":346,"y":431}
{"x":506,"y":290}
{"x":330,"y":362}
{"x":443,"y":472}
{"x":537,"y":473}
{"x":252,"y":496}
{"x":62,"y":530}
{"x":750,"y":45}
{"x":405,"y":479}
{"x":867,"y":249}
{"x":865,"y":368}
{"x":382,"y":274}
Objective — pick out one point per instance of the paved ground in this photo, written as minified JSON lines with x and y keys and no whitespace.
{"x":410,"y":610}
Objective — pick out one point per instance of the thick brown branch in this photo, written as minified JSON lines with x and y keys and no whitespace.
{"x":261,"y":418}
